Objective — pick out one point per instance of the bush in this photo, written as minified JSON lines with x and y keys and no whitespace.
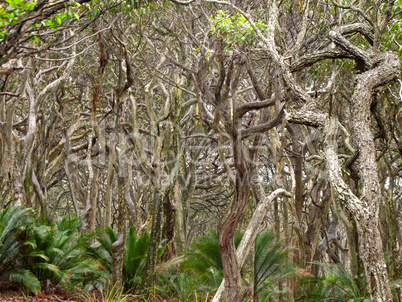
{"x":13,"y":222}
{"x":56,"y":252}
{"x":204,"y":260}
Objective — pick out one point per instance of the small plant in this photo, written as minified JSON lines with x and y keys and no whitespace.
{"x":56,"y":252}
{"x":204,"y":259}
{"x":101,"y":251}
{"x":135,"y":258}
{"x":336,"y":285}
{"x":181,"y":286}
{"x":13,"y":223}
{"x":25,"y":295}
{"x":136,"y":247}
{"x":111,"y":294}
{"x":270,"y":264}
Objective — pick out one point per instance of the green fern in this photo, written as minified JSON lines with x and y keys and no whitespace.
{"x":12,"y":223}
{"x":12,"y":228}
{"x":204,"y":259}
{"x":56,"y":252}
{"x":25,"y":277}
{"x":336,"y":285}
{"x":136,"y":247}
{"x":269,"y":263}
{"x":135,"y":258}
{"x":311,"y":289}
{"x":182,"y":286}
{"x":101,"y":249}
{"x":343,"y":284}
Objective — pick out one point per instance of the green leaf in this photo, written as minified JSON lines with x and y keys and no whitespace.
{"x":18,"y":12}
{"x":27,"y":6}
{"x":25,"y":277}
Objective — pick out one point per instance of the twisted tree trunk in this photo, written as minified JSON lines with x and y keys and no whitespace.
{"x":369,"y":236}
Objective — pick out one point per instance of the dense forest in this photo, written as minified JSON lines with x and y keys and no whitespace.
{"x":202,"y":150}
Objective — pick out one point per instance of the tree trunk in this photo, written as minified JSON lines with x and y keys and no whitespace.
{"x":231,"y":270}
{"x":366,"y":213}
{"x":94,"y":202}
{"x":369,"y":236}
{"x":109,"y":194}
{"x":154,"y":242}
{"x":118,"y":246}
{"x":179,"y":225}
{"x":251,"y":232}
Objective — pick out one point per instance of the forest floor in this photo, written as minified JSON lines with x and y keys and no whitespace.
{"x":16,"y":292}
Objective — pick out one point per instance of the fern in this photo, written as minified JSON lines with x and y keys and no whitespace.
{"x":269,"y":262}
{"x":136,"y":247}
{"x":12,"y":223}
{"x":180,"y":285}
{"x":343,"y":284}
{"x":12,"y":228}
{"x":25,"y":277}
{"x":56,"y":252}
{"x":101,"y":249}
{"x":336,"y":285}
{"x":135,"y":258}
{"x":204,"y":259}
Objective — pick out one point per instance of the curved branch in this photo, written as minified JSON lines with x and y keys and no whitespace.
{"x":337,"y":36}
{"x":312,"y":58}
{"x":341,"y":189}
{"x":264,"y":126}
{"x":253,"y":106}
{"x":306,"y":117}
{"x":182,"y":2}
{"x":357,"y":10}
{"x":296,"y":92}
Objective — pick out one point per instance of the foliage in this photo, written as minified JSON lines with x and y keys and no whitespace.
{"x":181,"y":285}
{"x":269,"y":263}
{"x":234,"y":29}
{"x":56,"y":252}
{"x":111,"y":294}
{"x":336,"y":285}
{"x":18,"y":10}
{"x":135,"y":258}
{"x":34,"y":251}
{"x":12,"y":225}
{"x":310,"y":288}
{"x":204,"y":259}
{"x":139,"y":3}
{"x":11,"y":14}
{"x":101,"y":250}
{"x":136,"y":247}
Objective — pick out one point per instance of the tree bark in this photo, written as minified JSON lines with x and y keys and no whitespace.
{"x":370,"y":238}
{"x":251,"y":232}
{"x":366,"y":212}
